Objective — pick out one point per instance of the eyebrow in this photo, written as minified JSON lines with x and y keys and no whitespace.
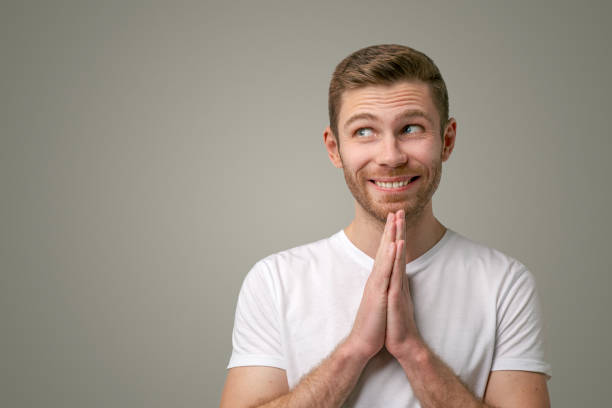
{"x":411,"y":113}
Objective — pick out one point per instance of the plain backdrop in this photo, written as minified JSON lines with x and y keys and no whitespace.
{"x":152,"y":152}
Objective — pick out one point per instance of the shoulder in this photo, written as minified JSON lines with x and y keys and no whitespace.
{"x":502,"y":280}
{"x":296,"y":260}
{"x":304,"y":253}
{"x":484,"y":260}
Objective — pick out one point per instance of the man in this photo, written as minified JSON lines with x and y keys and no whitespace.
{"x":395,"y":310}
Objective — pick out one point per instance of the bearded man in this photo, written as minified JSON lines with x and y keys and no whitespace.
{"x":395,"y":310}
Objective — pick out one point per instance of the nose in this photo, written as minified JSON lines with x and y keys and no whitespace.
{"x":390,"y":153}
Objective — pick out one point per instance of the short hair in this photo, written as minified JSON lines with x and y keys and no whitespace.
{"x":385,"y":65}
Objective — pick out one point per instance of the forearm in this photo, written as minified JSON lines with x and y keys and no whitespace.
{"x":433,"y":382}
{"x":329,"y":384}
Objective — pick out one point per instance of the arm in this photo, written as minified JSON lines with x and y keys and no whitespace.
{"x":329,"y":384}
{"x":504,"y":389}
{"x":433,"y":382}
{"x":253,"y":384}
{"x":517,"y":389}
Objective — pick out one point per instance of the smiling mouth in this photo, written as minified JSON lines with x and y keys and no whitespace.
{"x":394,"y":184}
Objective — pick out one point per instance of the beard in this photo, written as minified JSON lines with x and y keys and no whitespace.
{"x":413,"y":205}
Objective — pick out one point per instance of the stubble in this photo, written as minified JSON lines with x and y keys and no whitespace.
{"x":413,"y":206}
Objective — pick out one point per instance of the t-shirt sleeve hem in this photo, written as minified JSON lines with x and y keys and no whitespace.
{"x":523,"y":365}
{"x":256,"y":360}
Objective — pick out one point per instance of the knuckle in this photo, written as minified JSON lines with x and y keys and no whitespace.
{"x":394,"y":295}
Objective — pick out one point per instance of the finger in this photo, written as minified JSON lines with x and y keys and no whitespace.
{"x":387,"y":265}
{"x":399,"y":269}
{"x":389,"y":235}
{"x":383,"y":267}
{"x":383,"y":264}
{"x":400,"y":226}
{"x":401,"y":253}
{"x":385,"y":235}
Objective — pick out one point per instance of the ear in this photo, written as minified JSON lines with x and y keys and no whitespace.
{"x":331,"y":144}
{"x":448,"y":141}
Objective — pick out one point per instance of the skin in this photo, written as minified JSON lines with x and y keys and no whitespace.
{"x":389,"y":151}
{"x":394,"y":226}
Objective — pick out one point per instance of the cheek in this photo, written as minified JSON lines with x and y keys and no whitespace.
{"x":355,"y":158}
{"x":426,"y":153}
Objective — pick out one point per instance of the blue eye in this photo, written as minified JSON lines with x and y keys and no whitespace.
{"x":413,"y":129}
{"x":364,"y":132}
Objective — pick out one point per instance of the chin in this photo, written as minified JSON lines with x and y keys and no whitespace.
{"x":414,"y":214}
{"x":380,"y":212}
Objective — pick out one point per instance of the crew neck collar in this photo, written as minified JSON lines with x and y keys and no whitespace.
{"x":411,"y":267}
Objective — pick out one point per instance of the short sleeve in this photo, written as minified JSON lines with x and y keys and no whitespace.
{"x":519,"y":343}
{"x":256,"y":336}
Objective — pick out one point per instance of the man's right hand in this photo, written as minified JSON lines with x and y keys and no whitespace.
{"x":368,"y":334}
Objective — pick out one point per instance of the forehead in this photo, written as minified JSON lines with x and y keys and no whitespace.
{"x":382,"y":100}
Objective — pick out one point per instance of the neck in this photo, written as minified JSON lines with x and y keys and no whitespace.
{"x":423,"y":233}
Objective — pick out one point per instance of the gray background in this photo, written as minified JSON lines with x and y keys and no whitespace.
{"x":151,"y":152}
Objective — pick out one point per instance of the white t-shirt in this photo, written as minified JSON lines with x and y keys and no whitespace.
{"x":475,"y":307}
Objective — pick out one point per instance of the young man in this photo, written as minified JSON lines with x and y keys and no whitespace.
{"x":395,"y":310}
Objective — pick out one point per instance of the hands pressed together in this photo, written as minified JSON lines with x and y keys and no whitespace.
{"x":386,"y":313}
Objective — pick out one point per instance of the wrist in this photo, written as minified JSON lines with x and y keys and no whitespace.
{"x":413,"y":352}
{"x":352,"y":350}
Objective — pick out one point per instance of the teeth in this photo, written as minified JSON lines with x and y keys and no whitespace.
{"x":394,"y":184}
